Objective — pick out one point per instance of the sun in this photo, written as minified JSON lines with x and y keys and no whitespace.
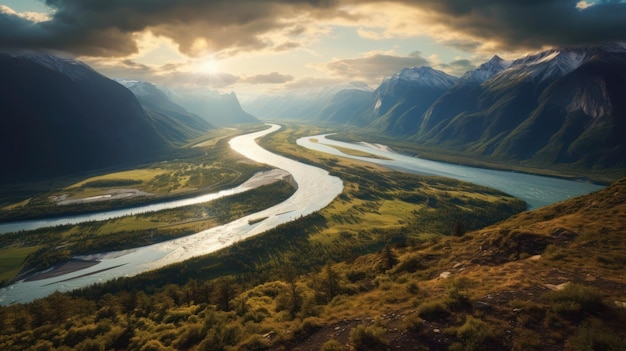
{"x":209,"y":66}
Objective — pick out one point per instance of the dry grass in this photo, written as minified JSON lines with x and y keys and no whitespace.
{"x":143,"y":175}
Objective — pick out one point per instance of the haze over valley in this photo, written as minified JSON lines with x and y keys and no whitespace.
{"x":312,"y":175}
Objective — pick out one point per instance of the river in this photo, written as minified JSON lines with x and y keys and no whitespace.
{"x":536,"y":190}
{"x":255,"y":181}
{"x":316,"y":189}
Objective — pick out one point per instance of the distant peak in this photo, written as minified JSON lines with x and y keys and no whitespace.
{"x":487,"y":70}
{"x":426,"y":76}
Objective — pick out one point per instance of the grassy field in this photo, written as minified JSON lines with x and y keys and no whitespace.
{"x":138,"y":175}
{"x":203,"y":169}
{"x":12,"y":261}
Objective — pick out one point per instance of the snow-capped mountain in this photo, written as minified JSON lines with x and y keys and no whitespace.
{"x":552,"y":64}
{"x":486,"y":70}
{"x":400,"y":101}
{"x":557,"y":106}
{"x":425,"y":76}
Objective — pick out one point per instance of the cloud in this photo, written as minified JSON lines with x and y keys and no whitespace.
{"x":101,"y":28}
{"x":373,"y":67}
{"x":106,"y":28}
{"x":173,"y":74}
{"x":514,"y":25}
{"x":270,"y":78}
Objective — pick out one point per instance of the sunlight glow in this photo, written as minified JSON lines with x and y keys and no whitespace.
{"x":209,"y":65}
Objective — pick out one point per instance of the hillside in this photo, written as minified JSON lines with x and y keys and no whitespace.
{"x":558,"y":108}
{"x":217,"y":109}
{"x":174,"y":122}
{"x":61,"y":117}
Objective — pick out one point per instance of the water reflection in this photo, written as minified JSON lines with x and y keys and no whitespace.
{"x":536,"y":190}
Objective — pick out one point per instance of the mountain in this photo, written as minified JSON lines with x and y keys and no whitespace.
{"x":59,"y":116}
{"x":347,"y":106}
{"x":217,"y":109}
{"x":401,"y":100}
{"x":331,"y":104}
{"x":174,"y":121}
{"x":557,"y":106}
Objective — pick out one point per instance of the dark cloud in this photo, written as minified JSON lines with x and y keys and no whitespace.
{"x":375,"y":67}
{"x":107,"y":27}
{"x":515,"y":24}
{"x":270,"y":78}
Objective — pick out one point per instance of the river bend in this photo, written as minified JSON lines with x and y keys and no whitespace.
{"x":315,"y":190}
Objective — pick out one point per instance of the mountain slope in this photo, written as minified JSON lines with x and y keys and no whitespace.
{"x":401,"y":100}
{"x":217,"y":109}
{"x":59,"y":117}
{"x":173,"y":121}
{"x":557,"y":106}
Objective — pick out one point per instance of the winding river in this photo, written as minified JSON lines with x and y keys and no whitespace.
{"x":536,"y":190}
{"x":316,"y":189}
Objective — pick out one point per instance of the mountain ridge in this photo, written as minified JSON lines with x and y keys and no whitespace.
{"x":62,"y":117}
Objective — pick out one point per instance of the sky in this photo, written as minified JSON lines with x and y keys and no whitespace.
{"x":260,"y":47}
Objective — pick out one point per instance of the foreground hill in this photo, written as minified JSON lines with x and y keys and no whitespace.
{"x":60,"y":117}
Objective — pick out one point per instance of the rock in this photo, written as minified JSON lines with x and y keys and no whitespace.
{"x":483,"y":306}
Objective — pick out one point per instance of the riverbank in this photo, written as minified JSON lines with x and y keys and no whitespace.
{"x":60,"y":269}
{"x":600,"y":177}
{"x":315,"y":190}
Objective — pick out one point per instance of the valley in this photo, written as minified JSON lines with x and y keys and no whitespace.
{"x":396,"y":260}
{"x":399,"y":201}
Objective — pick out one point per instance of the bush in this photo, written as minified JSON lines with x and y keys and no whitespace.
{"x":474,"y":333}
{"x":433,"y":310}
{"x":255,"y":342}
{"x":595,"y":336}
{"x":368,"y":338}
{"x":575,"y":298}
{"x":332,"y":345}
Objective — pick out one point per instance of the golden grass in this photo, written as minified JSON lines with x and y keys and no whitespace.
{"x":143,"y":175}
{"x":12,"y":259}
{"x":16,"y":205}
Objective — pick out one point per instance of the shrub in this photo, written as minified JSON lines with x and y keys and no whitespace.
{"x":433,"y":310}
{"x":474,"y":333}
{"x":410,"y":265}
{"x":575,"y":298}
{"x":413,"y":288}
{"x":255,"y":342}
{"x":368,"y":338}
{"x":594,"y":336}
{"x":526,"y":340}
{"x":332,"y":345}
{"x":308,"y":327}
